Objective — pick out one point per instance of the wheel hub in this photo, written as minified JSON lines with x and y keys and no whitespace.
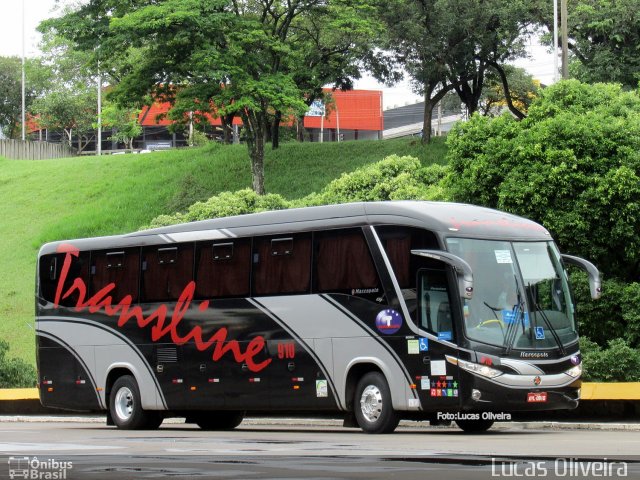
{"x":124,"y":403}
{"x":371,"y":403}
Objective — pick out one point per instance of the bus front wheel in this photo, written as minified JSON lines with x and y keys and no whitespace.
{"x":474,"y":426}
{"x":126,"y":409}
{"x":372,"y":405}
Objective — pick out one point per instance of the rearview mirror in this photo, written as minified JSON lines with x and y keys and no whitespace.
{"x":595,"y":283}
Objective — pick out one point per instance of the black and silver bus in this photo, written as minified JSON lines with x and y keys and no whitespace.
{"x":371,"y":311}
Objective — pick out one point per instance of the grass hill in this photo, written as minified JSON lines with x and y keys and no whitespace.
{"x":47,"y":200}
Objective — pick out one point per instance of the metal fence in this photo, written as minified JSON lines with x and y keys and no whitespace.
{"x":19,"y":150}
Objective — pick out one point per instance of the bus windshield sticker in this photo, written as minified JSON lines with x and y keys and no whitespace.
{"x":503,"y":256}
{"x":539,"y":333}
{"x":424,"y":344}
{"x":388,"y":321}
{"x":445,"y":335}
{"x":413,"y":347}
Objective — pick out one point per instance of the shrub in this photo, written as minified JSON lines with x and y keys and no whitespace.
{"x":572,"y":165}
{"x":394,"y":178}
{"x":15,"y":372}
{"x":616,"y":314}
{"x":618,"y":363}
{"x":224,"y":205}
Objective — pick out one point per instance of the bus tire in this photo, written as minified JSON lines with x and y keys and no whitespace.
{"x":474,"y":426}
{"x":372,"y":405}
{"x":125,"y":406}
{"x":218,"y":420}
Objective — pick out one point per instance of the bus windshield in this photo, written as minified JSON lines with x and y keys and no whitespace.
{"x":521,"y":295}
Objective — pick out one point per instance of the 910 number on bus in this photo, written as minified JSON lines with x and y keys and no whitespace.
{"x":286,"y":350}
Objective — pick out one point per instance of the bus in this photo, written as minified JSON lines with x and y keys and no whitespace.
{"x":372,"y":312}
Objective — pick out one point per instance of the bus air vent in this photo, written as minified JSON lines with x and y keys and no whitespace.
{"x":167,"y":355}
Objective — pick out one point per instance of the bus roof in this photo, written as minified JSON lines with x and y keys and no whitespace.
{"x":447,"y":219}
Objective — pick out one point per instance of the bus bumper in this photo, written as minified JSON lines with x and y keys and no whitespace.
{"x":480,"y":394}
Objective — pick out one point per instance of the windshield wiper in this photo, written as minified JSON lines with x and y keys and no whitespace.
{"x":512,"y":329}
{"x":556,"y":338}
{"x":494,"y":310}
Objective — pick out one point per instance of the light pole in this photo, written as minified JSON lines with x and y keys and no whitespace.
{"x":565,"y":39}
{"x":23,"y":122}
{"x":555,"y":41}
{"x":99,"y":143}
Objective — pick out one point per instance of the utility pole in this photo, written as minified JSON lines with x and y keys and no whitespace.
{"x":565,"y":39}
{"x":555,"y":41}
{"x":99,"y":144}
{"x":23,"y":80}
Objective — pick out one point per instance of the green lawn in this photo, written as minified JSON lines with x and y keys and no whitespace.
{"x":47,"y":200}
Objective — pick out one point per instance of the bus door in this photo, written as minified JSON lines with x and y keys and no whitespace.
{"x":435,"y":314}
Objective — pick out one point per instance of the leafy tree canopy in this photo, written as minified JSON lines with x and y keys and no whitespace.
{"x":253,"y":58}
{"x":604,"y":39}
{"x":447,"y":45}
{"x":573,"y":165}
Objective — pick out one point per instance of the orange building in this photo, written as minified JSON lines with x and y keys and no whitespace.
{"x":349,"y":115}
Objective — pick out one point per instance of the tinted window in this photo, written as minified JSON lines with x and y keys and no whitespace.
{"x":118,"y":267}
{"x":398,"y":243}
{"x":282,"y":264}
{"x":166,"y":270}
{"x":434,"y":303}
{"x":343,"y":263}
{"x":50,"y":269}
{"x":223,"y":268}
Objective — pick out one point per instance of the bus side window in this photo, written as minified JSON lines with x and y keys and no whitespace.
{"x":434,"y":303}
{"x":343,"y":264}
{"x":282,"y":264}
{"x":166,"y":271}
{"x":120,"y":268}
{"x":223,"y":268}
{"x":398,"y":242}
{"x":50,"y":268}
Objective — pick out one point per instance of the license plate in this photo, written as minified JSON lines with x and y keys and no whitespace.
{"x":537,"y":397}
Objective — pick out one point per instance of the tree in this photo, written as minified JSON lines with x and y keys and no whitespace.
{"x":11,"y":91}
{"x":332,"y":45}
{"x":445,"y":45}
{"x":522,"y":87}
{"x":68,"y":110}
{"x":123,"y":121}
{"x":605,"y":37}
{"x":572,"y":165}
{"x":220,"y":57}
{"x":603,"y":40}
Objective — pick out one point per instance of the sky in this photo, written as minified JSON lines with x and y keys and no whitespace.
{"x":540,"y":65}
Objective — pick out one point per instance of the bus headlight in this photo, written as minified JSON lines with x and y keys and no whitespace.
{"x":482,"y":370}
{"x":575,"y":372}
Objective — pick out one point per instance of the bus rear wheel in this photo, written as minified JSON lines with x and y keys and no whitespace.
{"x":125,"y":407}
{"x":217,"y":420}
{"x":372,"y":405}
{"x":474,"y":426}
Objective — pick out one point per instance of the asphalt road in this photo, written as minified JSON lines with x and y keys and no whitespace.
{"x":313,"y":450}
